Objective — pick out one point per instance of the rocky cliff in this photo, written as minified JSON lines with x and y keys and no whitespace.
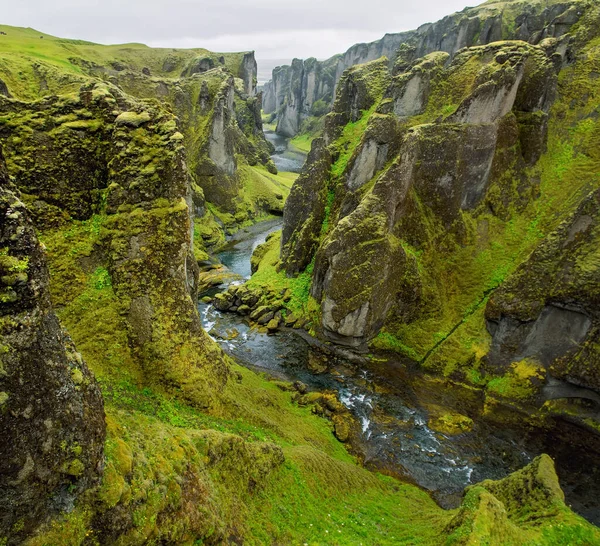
{"x":197,"y":447}
{"x":51,"y":410}
{"x":293,"y":90}
{"x":213,"y":96}
{"x":103,"y":154}
{"x":452,"y":214}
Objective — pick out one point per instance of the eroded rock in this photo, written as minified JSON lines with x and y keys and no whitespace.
{"x":51,"y":410}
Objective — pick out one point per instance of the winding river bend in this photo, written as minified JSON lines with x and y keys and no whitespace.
{"x":393,"y":402}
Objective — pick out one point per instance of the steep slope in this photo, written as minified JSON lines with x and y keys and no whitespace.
{"x":302,"y":89}
{"x":104,"y":157}
{"x":198,"y":449}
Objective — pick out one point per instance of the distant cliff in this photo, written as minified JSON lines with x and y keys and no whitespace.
{"x":294,"y":90}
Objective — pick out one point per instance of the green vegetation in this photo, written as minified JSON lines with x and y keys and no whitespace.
{"x":265,"y":191}
{"x":30,"y":56}
{"x":521,"y":382}
{"x":302,"y":142}
{"x":200,"y":449}
{"x":270,"y":274}
{"x":258,"y":465}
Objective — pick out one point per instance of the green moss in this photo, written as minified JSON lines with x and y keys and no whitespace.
{"x":262,"y":191}
{"x":302,"y":142}
{"x":349,"y":140}
{"x":65,"y":64}
{"x":521,"y":382}
{"x":83,"y":125}
{"x":270,"y":275}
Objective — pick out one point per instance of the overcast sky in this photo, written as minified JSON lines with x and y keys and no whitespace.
{"x":274,"y":29}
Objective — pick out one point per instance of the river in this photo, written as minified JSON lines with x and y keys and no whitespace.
{"x":286,"y":157}
{"x":392,"y":400}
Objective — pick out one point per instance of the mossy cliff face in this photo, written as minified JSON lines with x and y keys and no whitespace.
{"x":51,"y":410}
{"x":452,"y":220}
{"x":222,"y":130}
{"x":366,"y":267}
{"x":213,"y":95}
{"x":198,"y":449}
{"x":293,"y":90}
{"x":101,"y":152}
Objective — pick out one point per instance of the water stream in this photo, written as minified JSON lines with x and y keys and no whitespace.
{"x":393,"y":401}
{"x":286,"y":157}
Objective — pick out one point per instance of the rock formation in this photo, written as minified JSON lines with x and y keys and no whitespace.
{"x":51,"y":409}
{"x":448,"y":214}
{"x":104,"y":152}
{"x":438,"y":227}
{"x":213,"y":96}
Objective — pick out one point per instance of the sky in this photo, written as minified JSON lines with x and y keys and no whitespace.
{"x":277,"y":30}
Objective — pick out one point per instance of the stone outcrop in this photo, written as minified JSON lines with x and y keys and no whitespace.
{"x":452,"y":217}
{"x":223,"y":121}
{"x":51,"y":409}
{"x":294,"y":89}
{"x":4,"y":89}
{"x":213,"y":96}
{"x":497,"y":508}
{"x":548,"y":309}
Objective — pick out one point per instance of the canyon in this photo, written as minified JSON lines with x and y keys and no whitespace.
{"x":213,"y":333}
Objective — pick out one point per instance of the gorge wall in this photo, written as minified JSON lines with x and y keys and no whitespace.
{"x":452,"y":216}
{"x":213,"y":96}
{"x":51,"y":409}
{"x":293,"y":90}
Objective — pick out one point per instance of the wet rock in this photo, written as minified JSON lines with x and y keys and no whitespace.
{"x":259,"y":312}
{"x":300,"y":387}
{"x":449,"y":422}
{"x":290,"y":320}
{"x":266,"y":318}
{"x":244,"y":310}
{"x":272,"y":325}
{"x":223,"y":301}
{"x":316,"y":363}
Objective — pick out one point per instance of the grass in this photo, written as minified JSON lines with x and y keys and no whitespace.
{"x":270,"y":275}
{"x":157,"y":445}
{"x":265,"y":190}
{"x":349,"y":141}
{"x":302,"y":142}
